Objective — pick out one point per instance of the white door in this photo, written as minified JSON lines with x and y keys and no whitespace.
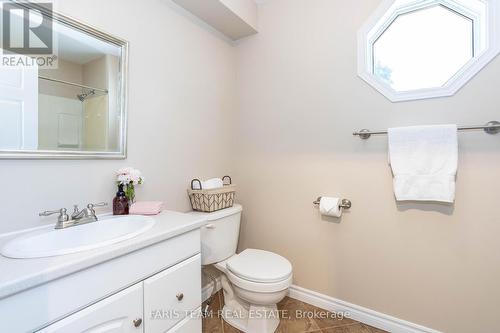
{"x":120,"y":313}
{"x":19,"y":107}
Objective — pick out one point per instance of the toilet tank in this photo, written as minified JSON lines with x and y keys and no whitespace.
{"x":219,"y":236}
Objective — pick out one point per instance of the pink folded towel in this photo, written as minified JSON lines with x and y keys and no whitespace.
{"x":146,"y":208}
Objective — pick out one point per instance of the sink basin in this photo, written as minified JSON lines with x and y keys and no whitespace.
{"x":51,"y":242}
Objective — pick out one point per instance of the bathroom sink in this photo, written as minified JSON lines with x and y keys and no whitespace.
{"x":50,"y":242}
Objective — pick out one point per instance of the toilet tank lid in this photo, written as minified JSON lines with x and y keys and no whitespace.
{"x":235,"y":209}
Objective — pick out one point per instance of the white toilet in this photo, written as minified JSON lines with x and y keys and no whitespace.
{"x":253,"y":282}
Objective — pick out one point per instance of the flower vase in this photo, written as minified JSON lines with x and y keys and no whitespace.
{"x":130,"y":193}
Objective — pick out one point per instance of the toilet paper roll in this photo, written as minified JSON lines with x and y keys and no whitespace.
{"x":329,"y":206}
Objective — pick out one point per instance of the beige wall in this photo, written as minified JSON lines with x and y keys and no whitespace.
{"x":66,"y":71}
{"x":181,"y":89}
{"x":112,"y":72}
{"x":299,"y":101}
{"x":95,"y":73}
{"x":95,"y":108}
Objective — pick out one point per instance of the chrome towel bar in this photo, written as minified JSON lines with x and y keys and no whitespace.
{"x":493,"y":127}
{"x":345,"y":204}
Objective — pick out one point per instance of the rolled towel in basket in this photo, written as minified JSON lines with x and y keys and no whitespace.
{"x":209,"y":184}
{"x":146,"y":208}
{"x":212,"y":183}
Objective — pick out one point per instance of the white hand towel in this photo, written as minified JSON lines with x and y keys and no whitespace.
{"x":424,"y":162}
{"x":209,"y":184}
{"x":330,"y":206}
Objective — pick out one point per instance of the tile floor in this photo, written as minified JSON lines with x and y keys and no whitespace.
{"x":292,"y":324}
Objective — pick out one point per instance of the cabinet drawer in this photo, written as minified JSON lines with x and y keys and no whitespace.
{"x":170,"y":295}
{"x":114,"y":314}
{"x":189,"y":325}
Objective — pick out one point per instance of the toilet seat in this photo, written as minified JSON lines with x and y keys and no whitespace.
{"x":259,"y":287}
{"x":259,"y":270}
{"x":259,"y":266}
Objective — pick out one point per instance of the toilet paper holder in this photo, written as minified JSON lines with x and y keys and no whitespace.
{"x":345,"y":203}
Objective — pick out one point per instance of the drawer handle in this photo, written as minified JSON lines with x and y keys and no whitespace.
{"x":179,"y":296}
{"x":210,"y":226}
{"x":137,"y":322}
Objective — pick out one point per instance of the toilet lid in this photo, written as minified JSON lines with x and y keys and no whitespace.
{"x":259,"y":266}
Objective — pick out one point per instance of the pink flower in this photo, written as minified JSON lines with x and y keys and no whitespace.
{"x":129,"y":175}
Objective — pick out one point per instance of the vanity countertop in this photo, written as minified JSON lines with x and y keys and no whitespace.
{"x":21,"y":274}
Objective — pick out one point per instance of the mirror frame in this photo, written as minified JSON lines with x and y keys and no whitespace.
{"x":123,"y":92}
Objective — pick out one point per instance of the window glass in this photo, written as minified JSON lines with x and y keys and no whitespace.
{"x":423,"y":49}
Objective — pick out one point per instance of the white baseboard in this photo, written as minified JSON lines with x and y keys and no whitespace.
{"x":356,"y":312}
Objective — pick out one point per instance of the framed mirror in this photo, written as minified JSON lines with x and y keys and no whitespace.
{"x":62,"y":87}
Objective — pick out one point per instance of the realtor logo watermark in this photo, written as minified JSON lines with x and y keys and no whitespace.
{"x":27,"y":35}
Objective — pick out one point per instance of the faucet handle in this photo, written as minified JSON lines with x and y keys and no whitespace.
{"x":52,"y":212}
{"x":91,"y":207}
{"x":63,"y":216}
{"x":100,"y":204}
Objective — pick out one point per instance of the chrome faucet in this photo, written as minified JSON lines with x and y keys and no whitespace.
{"x":62,"y":219}
{"x":78,"y":217}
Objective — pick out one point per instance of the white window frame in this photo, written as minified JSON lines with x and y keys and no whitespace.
{"x":486,"y":44}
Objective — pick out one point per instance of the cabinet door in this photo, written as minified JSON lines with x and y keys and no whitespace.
{"x":171,"y":295}
{"x":120,"y":313}
{"x":189,"y":325}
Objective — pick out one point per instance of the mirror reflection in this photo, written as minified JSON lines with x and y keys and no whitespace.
{"x":73,"y":106}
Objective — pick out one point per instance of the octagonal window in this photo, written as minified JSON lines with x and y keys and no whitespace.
{"x":413,"y":49}
{"x":423,"y":49}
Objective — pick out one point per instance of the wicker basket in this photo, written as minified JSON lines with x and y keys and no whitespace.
{"x":212,"y":200}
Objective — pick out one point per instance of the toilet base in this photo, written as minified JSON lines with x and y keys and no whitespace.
{"x":258,"y":319}
{"x":247,"y":317}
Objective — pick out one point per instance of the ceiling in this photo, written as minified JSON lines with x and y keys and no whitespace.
{"x":80,"y":48}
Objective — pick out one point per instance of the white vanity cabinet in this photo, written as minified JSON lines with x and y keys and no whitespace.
{"x":155,"y":305}
{"x":155,"y":288}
